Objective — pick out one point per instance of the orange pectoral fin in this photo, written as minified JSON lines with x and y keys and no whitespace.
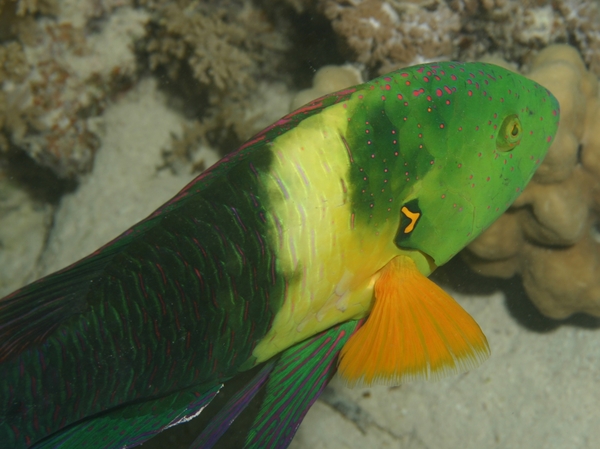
{"x":415,"y":331}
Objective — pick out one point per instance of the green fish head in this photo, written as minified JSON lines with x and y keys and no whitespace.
{"x":460,"y":140}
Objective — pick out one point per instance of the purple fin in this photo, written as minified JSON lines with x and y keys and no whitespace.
{"x":299,"y":377}
{"x":230,"y":411}
{"x":132,"y":425}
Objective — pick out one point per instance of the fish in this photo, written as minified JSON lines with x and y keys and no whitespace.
{"x":304,"y":253}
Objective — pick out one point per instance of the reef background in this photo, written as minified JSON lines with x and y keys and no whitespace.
{"x":108,"y":108}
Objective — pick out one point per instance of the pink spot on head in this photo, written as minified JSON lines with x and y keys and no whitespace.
{"x":549,"y":139}
{"x":437,"y":78}
{"x":420,"y":70}
{"x":400,"y":97}
{"x":387,"y":78}
{"x":554,"y":113}
{"x":460,"y":128}
{"x":405,"y":75}
{"x":388,"y":87}
{"x":441,"y":126}
{"x":407,"y":83}
{"x":439,"y":92}
{"x":383,"y":98}
{"x":447,"y":101}
{"x":453,"y":77}
{"x":426,"y":79}
{"x":470,"y":93}
{"x":418,"y":92}
{"x":428,"y":97}
{"x":448,"y":90}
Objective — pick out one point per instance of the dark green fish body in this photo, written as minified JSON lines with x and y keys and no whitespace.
{"x":179,"y":300}
{"x":269,"y":256}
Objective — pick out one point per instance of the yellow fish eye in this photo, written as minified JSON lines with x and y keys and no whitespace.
{"x":510,"y":133}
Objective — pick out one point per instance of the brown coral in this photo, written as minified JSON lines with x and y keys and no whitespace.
{"x":550,"y":235}
{"x":58,"y":72}
{"x":386,"y":34}
{"x":226,"y":45}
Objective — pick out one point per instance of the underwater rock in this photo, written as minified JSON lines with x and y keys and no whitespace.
{"x":71,"y":62}
{"x":550,"y":235}
{"x":328,"y":79}
{"x":385,"y":35}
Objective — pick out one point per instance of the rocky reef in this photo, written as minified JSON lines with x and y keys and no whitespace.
{"x":62,"y":61}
